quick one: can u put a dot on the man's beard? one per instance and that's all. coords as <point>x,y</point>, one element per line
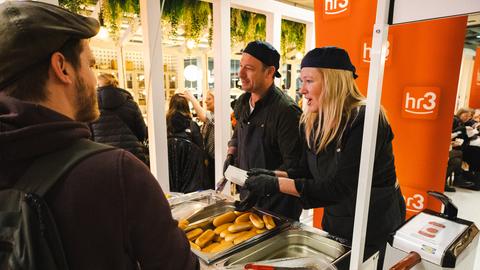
<point>86,103</point>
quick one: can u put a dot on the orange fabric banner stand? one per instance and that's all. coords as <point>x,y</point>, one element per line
<point>474,100</point>
<point>419,88</point>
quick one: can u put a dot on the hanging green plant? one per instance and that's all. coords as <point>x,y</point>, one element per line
<point>111,11</point>
<point>192,14</point>
<point>293,37</point>
<point>73,5</point>
<point>246,26</point>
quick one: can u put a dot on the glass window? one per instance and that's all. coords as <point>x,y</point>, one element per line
<point>234,70</point>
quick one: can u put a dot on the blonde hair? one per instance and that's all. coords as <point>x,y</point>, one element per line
<point>339,97</point>
<point>109,79</point>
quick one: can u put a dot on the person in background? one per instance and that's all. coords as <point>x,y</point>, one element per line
<point>186,156</point>
<point>121,123</point>
<point>109,210</point>
<point>180,122</point>
<point>207,130</point>
<point>333,129</point>
<point>266,135</point>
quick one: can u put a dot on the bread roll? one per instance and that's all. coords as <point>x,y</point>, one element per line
<point>243,218</point>
<point>204,238</point>
<point>223,246</point>
<point>194,246</point>
<point>183,223</point>
<point>231,236</point>
<point>257,221</point>
<point>222,227</point>
<point>241,226</point>
<point>269,222</point>
<point>238,213</point>
<point>244,237</point>
<point>224,218</point>
<point>193,234</point>
<point>209,248</point>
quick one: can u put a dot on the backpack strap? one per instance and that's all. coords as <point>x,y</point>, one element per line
<point>46,170</point>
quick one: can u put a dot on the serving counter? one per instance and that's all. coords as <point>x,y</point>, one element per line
<point>287,243</point>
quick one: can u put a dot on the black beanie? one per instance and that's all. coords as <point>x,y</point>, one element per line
<point>266,53</point>
<point>329,57</point>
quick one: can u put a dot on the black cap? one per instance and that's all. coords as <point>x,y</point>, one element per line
<point>329,57</point>
<point>31,31</point>
<point>264,52</point>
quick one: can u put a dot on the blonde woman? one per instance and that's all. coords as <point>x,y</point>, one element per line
<point>332,126</point>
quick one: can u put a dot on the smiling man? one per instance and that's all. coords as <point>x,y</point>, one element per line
<point>267,133</point>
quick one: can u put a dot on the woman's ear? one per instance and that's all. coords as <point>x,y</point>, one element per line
<point>60,68</point>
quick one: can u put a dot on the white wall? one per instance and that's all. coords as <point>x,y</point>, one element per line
<point>465,79</point>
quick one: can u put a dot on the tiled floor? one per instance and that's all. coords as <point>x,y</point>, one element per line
<point>468,204</point>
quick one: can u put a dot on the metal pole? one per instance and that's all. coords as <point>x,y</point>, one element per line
<point>221,67</point>
<point>375,81</point>
<point>157,127</point>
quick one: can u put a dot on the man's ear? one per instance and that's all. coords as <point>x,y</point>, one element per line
<point>61,69</point>
<point>270,71</point>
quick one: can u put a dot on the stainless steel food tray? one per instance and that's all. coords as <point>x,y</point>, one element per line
<point>186,205</point>
<point>203,219</point>
<point>299,246</point>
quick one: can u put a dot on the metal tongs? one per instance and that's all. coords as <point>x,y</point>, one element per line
<point>252,266</point>
<point>221,185</point>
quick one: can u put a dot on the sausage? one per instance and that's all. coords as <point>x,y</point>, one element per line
<point>257,221</point>
<point>206,237</point>
<point>224,218</point>
<point>238,227</point>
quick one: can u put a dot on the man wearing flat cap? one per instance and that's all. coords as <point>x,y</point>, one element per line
<point>266,136</point>
<point>109,210</point>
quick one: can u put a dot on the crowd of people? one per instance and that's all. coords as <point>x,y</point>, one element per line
<point>295,159</point>
<point>463,168</point>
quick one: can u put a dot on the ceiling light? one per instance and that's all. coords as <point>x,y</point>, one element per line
<point>191,73</point>
<point>478,36</point>
<point>191,44</point>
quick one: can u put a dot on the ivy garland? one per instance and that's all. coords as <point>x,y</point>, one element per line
<point>192,14</point>
<point>196,15</point>
<point>246,26</point>
<point>293,37</point>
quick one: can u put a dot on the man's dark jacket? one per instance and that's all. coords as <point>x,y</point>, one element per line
<point>110,210</point>
<point>281,141</point>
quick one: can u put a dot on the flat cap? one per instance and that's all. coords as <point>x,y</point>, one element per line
<point>264,52</point>
<point>329,57</point>
<point>31,31</point>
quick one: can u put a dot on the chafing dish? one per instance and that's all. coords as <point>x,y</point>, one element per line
<point>299,246</point>
<point>203,219</point>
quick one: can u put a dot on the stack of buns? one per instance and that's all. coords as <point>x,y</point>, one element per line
<point>230,228</point>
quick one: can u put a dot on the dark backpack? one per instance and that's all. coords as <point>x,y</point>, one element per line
<point>29,239</point>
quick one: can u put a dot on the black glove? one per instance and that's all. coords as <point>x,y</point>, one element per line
<point>258,171</point>
<point>262,185</point>
<point>246,203</point>
<point>229,160</point>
